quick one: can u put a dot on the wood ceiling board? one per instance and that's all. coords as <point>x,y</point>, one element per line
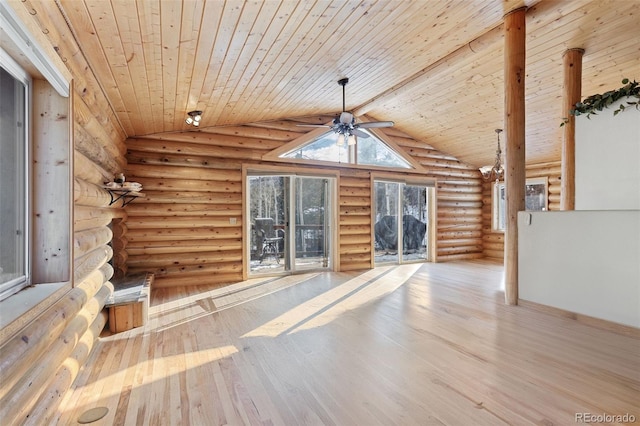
<point>190,30</point>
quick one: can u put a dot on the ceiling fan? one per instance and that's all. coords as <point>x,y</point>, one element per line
<point>345,124</point>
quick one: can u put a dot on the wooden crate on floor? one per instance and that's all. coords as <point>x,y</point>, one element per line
<point>129,303</point>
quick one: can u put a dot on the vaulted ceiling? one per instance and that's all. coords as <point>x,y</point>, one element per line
<point>434,67</point>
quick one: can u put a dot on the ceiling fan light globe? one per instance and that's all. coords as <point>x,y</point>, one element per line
<point>189,120</point>
<point>346,117</point>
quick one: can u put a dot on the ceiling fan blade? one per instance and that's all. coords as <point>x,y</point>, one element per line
<point>313,125</point>
<point>359,133</point>
<point>375,124</point>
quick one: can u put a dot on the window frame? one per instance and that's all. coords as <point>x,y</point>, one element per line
<point>22,76</point>
<point>499,205</point>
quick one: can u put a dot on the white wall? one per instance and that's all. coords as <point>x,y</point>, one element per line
<point>608,160</point>
<point>586,262</point>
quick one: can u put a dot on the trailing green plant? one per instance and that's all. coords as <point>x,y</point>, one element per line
<point>598,102</point>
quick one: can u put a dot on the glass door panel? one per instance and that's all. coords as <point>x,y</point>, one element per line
<point>312,229</point>
<point>414,223</point>
<point>268,210</point>
<point>387,201</point>
<point>290,223</point>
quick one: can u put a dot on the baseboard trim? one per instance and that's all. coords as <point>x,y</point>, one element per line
<point>602,324</point>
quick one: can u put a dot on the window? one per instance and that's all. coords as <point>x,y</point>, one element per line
<point>14,241</point>
<point>535,200</point>
<point>369,151</point>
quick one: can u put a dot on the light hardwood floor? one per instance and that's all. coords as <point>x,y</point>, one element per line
<point>398,345</point>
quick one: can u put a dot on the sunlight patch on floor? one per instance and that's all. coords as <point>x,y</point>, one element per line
<point>326,307</point>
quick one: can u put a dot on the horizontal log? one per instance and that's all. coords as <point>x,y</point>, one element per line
<point>355,258</point>
<point>174,147</point>
<point>97,151</point>
<point>460,242</point>
<point>85,169</point>
<point>354,230</point>
<point>355,239</point>
<point>190,197</point>
<point>554,198</point>
<point>455,211</point>
<point>89,194</point>
<point>20,353</point>
<point>45,407</point>
<point>355,182</point>
<point>460,187</point>
<point>183,246</point>
<point>354,249</point>
<point>23,396</point>
<point>440,196</point>
<point>461,227</point>
<point>447,221</point>
<point>99,127</point>
<point>355,220</point>
<point>452,235</point>
<point>555,206</point>
<point>135,158</point>
<point>91,217</point>
<point>460,204</point>
<point>195,185</point>
<point>351,191</point>
<point>134,235</point>
<point>493,237</point>
<point>453,257</point>
<point>459,250</point>
<point>139,171</point>
<point>554,189</point>
<point>355,210</point>
<point>175,209</point>
<point>165,260</point>
<point>355,201</point>
<point>250,132</point>
<point>494,254</point>
<point>194,270</point>
<point>94,260</point>
<point>493,246</point>
<point>228,137</point>
<point>165,282</point>
<point>168,222</point>
<point>90,239</point>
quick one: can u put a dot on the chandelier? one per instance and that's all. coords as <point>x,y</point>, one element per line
<point>496,171</point>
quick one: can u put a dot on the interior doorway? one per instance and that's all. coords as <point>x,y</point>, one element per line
<point>291,223</point>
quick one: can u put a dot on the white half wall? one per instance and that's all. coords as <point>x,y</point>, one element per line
<point>586,262</point>
<point>608,160</point>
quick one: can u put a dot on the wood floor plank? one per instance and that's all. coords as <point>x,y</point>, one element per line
<point>417,344</point>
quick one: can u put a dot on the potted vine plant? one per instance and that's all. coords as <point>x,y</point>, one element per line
<point>598,102</point>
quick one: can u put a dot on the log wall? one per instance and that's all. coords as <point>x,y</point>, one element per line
<point>493,241</point>
<point>41,359</point>
<point>183,229</point>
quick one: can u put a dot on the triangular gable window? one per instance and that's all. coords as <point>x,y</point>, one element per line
<point>369,151</point>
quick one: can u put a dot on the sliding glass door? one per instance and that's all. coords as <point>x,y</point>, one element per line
<point>291,223</point>
<point>401,222</point>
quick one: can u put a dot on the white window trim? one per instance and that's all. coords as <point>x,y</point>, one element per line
<point>495,199</point>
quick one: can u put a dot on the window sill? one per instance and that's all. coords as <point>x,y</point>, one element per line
<point>23,307</point>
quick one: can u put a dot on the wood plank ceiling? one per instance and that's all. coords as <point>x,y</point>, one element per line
<point>434,67</point>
